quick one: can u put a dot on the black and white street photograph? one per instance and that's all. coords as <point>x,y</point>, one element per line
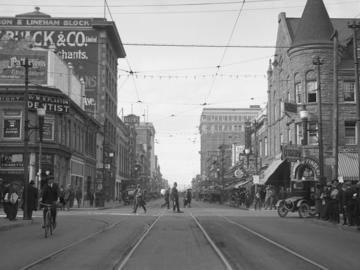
<point>180,134</point>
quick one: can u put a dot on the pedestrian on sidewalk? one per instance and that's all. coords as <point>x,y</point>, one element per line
<point>62,198</point>
<point>139,198</point>
<point>91,197</point>
<point>69,197</point>
<point>6,199</point>
<point>175,198</point>
<point>78,196</point>
<point>257,200</point>
<point>32,199</point>
<point>13,199</point>
<point>334,207</point>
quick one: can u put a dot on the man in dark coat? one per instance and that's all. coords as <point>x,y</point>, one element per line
<point>32,198</point>
<point>50,196</point>
<point>175,198</point>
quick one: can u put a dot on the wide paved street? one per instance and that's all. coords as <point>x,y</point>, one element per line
<point>206,236</point>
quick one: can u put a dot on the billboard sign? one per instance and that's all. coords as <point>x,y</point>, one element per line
<point>12,71</point>
<point>12,128</point>
<point>75,41</point>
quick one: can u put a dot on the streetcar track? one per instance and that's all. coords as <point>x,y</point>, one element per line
<point>67,247</point>
<point>263,237</point>
<point>275,243</point>
<point>212,244</point>
<point>119,265</point>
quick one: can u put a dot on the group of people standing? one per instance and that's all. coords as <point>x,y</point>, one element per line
<point>339,202</point>
<point>265,197</point>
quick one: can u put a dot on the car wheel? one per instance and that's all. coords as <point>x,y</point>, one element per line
<point>282,210</point>
<point>304,210</point>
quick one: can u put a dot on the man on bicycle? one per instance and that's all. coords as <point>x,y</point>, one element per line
<point>50,195</point>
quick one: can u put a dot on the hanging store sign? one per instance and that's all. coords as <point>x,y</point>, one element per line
<point>12,128</point>
<point>290,107</point>
<point>291,152</point>
<point>51,103</point>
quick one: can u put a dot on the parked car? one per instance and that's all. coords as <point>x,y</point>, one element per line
<point>300,199</point>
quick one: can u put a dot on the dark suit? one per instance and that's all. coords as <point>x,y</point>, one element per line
<point>50,196</point>
<point>175,198</point>
<point>32,199</point>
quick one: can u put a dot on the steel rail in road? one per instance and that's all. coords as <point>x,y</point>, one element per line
<point>122,263</point>
<point>275,243</point>
<point>213,245</point>
<point>61,250</point>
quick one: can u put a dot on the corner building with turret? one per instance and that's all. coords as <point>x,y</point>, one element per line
<point>293,113</point>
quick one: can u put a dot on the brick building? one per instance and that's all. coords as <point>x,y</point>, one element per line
<point>93,46</point>
<point>293,141</point>
<point>222,127</point>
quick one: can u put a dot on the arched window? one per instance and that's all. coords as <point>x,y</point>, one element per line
<point>311,87</point>
<point>298,89</point>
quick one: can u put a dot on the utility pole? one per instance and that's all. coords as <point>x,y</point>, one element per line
<point>26,65</point>
<point>355,26</point>
<point>222,157</point>
<point>318,62</point>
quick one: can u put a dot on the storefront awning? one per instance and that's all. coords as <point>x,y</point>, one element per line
<point>348,166</point>
<point>270,171</point>
<point>237,185</point>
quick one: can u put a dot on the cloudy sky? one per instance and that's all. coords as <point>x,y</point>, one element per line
<point>171,84</point>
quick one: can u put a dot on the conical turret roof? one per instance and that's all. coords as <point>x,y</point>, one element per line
<point>314,26</point>
<point>35,13</point>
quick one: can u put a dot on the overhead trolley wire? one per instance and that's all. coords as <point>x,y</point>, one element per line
<point>223,55</point>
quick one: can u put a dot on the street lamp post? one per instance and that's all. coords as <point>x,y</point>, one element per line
<point>26,64</point>
<point>318,62</point>
<point>247,153</point>
<point>41,114</point>
<point>304,115</point>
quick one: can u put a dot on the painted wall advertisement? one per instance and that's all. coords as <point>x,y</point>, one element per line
<point>12,71</point>
<point>76,45</point>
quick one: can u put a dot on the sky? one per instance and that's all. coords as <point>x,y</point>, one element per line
<point>171,85</point>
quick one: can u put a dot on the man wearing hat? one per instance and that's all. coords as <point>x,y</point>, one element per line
<point>50,196</point>
<point>32,198</point>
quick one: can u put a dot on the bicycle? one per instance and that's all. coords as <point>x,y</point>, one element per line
<point>48,223</point>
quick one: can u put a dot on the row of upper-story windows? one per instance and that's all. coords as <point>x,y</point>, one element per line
<point>110,106</point>
<point>230,118</point>
<point>56,128</point>
<point>212,128</point>
<point>306,91</point>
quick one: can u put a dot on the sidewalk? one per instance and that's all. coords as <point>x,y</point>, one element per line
<point>333,225</point>
<point>6,224</point>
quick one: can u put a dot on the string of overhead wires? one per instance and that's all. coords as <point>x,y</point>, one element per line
<point>165,5</point>
<point>225,50</point>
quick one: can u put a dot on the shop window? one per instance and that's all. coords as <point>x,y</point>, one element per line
<point>349,92</point>
<point>350,132</point>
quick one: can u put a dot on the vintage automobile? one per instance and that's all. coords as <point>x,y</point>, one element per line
<point>300,199</point>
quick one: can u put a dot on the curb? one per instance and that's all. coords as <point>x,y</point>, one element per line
<point>9,226</point>
<point>334,225</point>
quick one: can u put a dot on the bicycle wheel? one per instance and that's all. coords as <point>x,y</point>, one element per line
<point>46,225</point>
<point>50,223</point>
